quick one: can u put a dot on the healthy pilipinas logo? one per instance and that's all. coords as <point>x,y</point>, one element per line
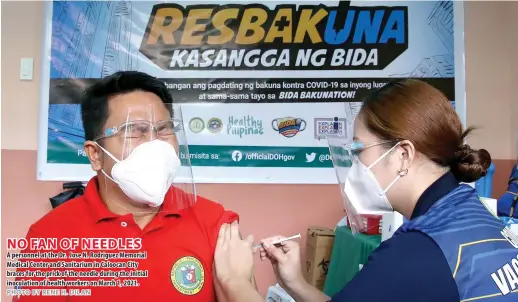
<point>287,36</point>
<point>188,275</point>
<point>288,126</point>
<point>326,126</point>
<point>244,126</point>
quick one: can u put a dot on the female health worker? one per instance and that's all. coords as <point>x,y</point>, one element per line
<point>409,156</point>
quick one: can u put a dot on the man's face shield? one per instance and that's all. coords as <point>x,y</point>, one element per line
<point>147,156</point>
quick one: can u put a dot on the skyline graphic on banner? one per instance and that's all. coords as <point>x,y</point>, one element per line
<point>80,56</point>
<point>81,45</point>
<point>94,39</point>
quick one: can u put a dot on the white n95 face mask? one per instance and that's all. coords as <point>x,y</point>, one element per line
<point>363,191</point>
<point>147,173</point>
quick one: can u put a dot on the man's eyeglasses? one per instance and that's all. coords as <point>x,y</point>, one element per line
<point>139,129</point>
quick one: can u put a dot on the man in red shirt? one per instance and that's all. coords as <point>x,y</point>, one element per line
<point>165,234</point>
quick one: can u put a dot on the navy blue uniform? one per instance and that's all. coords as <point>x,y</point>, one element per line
<point>419,263</point>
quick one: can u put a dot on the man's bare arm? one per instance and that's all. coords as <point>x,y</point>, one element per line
<point>220,294</point>
<point>252,281</point>
<point>252,278</point>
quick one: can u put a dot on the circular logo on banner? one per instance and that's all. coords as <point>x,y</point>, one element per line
<point>237,155</point>
<point>188,276</point>
<point>196,125</point>
<point>214,125</point>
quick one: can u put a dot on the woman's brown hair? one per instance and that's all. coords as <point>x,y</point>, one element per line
<point>416,111</point>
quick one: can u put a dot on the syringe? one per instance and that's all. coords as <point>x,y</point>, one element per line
<point>277,242</point>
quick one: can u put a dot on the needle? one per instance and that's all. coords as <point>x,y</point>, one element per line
<point>278,241</point>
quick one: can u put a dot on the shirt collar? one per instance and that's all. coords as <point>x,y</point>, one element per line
<point>436,191</point>
<point>174,201</point>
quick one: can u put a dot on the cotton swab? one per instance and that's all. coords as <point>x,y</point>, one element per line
<point>279,241</point>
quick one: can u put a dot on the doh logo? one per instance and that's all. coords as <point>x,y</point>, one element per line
<point>287,36</point>
<point>188,275</point>
<point>289,126</point>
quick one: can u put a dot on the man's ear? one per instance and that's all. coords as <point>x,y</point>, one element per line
<point>94,154</point>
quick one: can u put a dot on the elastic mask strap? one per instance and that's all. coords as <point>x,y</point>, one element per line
<point>377,161</point>
<point>112,157</point>
<point>105,174</point>
<point>382,156</point>
<point>108,153</point>
<point>392,183</point>
<point>400,173</point>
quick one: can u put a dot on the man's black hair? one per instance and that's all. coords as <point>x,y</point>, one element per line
<point>94,102</point>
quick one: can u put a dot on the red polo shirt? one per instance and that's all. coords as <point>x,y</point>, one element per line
<point>174,263</point>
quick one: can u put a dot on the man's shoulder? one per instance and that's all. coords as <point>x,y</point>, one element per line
<point>62,219</point>
<point>210,215</point>
<point>211,212</point>
<point>204,204</point>
<point>206,208</point>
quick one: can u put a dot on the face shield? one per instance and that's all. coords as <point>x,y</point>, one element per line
<point>343,154</point>
<point>147,156</point>
<point>352,109</point>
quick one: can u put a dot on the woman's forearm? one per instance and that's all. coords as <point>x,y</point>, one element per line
<point>304,292</point>
<point>242,291</point>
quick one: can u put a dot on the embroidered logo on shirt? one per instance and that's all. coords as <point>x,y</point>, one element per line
<point>188,276</point>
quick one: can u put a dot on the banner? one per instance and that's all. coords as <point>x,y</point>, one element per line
<point>260,84</point>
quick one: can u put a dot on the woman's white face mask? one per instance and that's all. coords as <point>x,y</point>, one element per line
<point>363,191</point>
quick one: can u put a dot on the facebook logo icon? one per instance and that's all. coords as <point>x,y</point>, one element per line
<point>237,155</point>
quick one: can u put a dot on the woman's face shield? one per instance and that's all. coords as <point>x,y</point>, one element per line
<point>160,125</point>
<point>343,154</point>
<point>355,188</point>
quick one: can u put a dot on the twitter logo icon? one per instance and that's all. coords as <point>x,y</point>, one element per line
<point>310,157</point>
